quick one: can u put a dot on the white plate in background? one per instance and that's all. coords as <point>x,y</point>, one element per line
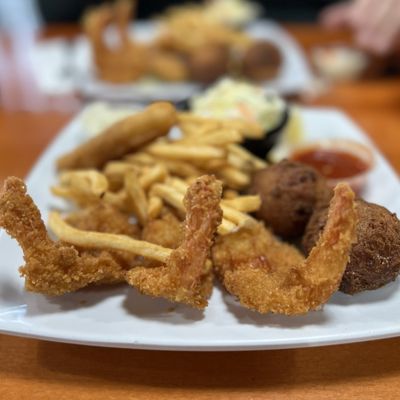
<point>68,66</point>
<point>118,316</point>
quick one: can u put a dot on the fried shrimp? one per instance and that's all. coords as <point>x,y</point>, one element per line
<point>186,277</point>
<point>52,268</point>
<point>270,276</point>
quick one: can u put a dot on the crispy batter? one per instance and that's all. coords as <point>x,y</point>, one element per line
<point>52,268</point>
<point>187,277</point>
<point>167,231</point>
<point>122,137</point>
<point>270,276</point>
<point>105,218</point>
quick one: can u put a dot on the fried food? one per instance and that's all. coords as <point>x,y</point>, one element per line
<point>122,137</point>
<point>122,63</point>
<point>270,276</point>
<point>289,192</point>
<point>375,256</point>
<point>168,66</point>
<point>52,268</point>
<point>208,63</point>
<point>136,197</point>
<point>83,187</point>
<point>103,218</point>
<point>187,277</point>
<point>108,241</point>
<point>166,231</point>
<point>261,61</point>
<point>106,218</point>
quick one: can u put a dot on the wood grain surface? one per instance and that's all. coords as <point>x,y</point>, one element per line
<point>33,369</point>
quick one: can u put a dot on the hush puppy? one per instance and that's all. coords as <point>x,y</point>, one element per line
<point>289,193</point>
<point>375,257</point>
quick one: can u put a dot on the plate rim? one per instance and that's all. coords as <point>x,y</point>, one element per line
<point>187,345</point>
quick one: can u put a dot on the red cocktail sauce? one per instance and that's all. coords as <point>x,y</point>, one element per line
<point>333,164</point>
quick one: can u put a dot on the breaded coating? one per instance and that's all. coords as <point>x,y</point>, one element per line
<point>122,137</point>
<point>167,231</point>
<point>270,276</point>
<point>52,268</point>
<point>103,217</point>
<point>187,276</point>
<point>106,218</point>
<point>375,256</point>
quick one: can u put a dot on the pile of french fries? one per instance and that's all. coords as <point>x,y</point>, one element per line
<point>157,175</point>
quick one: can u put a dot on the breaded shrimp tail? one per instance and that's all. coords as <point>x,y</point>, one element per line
<point>51,267</point>
<point>187,275</point>
<point>269,276</point>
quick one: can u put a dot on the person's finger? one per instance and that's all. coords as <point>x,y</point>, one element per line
<point>335,16</point>
<point>380,36</point>
<point>361,12</point>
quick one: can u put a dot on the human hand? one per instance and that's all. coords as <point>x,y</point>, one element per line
<point>376,24</point>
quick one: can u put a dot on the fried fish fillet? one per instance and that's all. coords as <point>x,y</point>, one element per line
<point>187,275</point>
<point>267,275</point>
<point>52,268</point>
<point>122,137</point>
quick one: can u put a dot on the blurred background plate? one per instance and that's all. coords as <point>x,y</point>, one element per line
<point>62,65</point>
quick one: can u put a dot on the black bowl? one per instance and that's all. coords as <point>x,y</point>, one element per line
<point>261,147</point>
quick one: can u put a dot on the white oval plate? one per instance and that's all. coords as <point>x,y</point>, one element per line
<point>119,316</point>
<point>294,76</point>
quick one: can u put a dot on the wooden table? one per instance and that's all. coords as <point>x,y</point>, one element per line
<point>33,369</point>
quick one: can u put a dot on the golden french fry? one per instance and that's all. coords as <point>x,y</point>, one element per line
<point>169,195</point>
<point>239,163</point>
<point>136,196</point>
<point>140,158</point>
<point>241,152</point>
<point>178,184</point>
<point>235,216</point>
<point>197,129</point>
<point>115,172</point>
<point>230,194</point>
<point>183,152</point>
<point>157,173</point>
<point>97,240</point>
<point>155,207</point>
<point>248,129</point>
<point>246,204</point>
<point>181,168</point>
<point>175,198</point>
<point>226,227</point>
<point>210,165</point>
<point>219,137</point>
<point>234,178</point>
<point>117,199</point>
<point>82,186</point>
